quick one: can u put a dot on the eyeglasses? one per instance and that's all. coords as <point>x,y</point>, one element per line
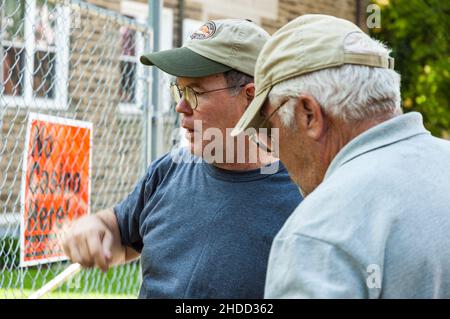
<point>266,145</point>
<point>190,95</point>
<point>265,123</point>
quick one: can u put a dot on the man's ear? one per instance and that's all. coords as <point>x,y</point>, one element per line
<point>245,96</point>
<point>310,117</point>
<point>249,90</point>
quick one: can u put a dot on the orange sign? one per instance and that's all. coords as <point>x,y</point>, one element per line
<point>55,184</point>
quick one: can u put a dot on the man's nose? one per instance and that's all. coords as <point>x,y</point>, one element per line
<point>184,107</point>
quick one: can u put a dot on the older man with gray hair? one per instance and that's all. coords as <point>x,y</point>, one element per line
<point>376,219</point>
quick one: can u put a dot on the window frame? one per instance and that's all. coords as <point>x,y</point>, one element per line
<point>59,102</point>
<point>138,11</point>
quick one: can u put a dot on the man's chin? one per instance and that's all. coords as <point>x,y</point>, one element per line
<point>196,150</point>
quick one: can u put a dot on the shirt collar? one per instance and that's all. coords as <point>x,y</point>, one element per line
<point>389,132</point>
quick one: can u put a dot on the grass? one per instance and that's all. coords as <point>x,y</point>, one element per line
<point>118,282</point>
<point>23,294</point>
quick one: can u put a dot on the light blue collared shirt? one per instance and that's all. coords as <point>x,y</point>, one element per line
<point>378,226</point>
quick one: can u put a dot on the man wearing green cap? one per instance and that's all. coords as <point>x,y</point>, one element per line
<point>375,221</point>
<point>185,216</point>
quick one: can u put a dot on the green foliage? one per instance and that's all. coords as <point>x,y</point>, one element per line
<point>9,253</point>
<point>12,15</point>
<point>418,33</point>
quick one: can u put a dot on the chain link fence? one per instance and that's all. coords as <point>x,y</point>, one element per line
<point>73,60</point>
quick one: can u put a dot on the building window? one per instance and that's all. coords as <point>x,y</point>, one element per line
<point>132,79</point>
<point>34,54</point>
<point>131,82</point>
<point>129,86</point>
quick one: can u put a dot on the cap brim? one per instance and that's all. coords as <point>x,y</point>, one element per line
<point>252,117</point>
<point>182,62</point>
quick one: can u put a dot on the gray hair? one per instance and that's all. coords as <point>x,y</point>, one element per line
<point>348,92</point>
<point>236,79</point>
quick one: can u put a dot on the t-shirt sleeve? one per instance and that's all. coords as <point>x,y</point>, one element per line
<point>128,211</point>
<point>305,267</point>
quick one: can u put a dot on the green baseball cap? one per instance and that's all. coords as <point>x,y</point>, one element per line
<point>216,47</point>
<point>309,43</point>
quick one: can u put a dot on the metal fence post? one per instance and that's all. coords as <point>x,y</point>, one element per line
<point>145,105</point>
<point>154,21</point>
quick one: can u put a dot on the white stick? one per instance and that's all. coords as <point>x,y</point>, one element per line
<point>57,281</point>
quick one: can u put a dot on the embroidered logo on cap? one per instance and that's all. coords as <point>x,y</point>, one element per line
<point>206,31</point>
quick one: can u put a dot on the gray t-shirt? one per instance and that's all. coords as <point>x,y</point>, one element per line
<point>204,232</point>
<point>378,226</point>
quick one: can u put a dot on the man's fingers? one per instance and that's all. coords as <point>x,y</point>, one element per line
<point>86,259</point>
<point>66,248</point>
<point>75,245</point>
<point>88,242</point>
<point>75,256</point>
<point>96,248</point>
<point>107,244</point>
<point>65,240</point>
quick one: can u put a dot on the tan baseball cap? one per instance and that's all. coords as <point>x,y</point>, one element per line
<point>309,43</point>
<point>216,47</point>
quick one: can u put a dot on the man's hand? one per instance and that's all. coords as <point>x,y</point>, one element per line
<point>93,240</point>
